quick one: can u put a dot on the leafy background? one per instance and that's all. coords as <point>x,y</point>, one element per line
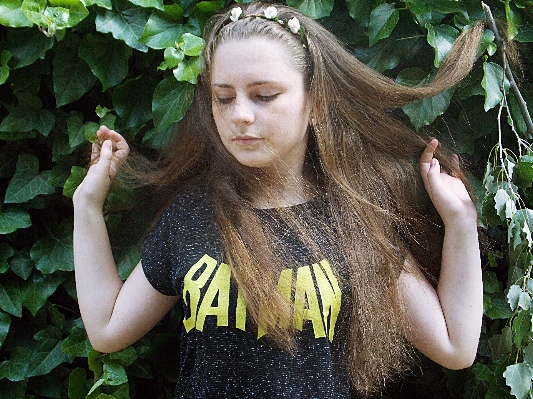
<point>67,66</point>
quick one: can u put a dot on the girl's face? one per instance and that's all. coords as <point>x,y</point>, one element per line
<point>260,105</point>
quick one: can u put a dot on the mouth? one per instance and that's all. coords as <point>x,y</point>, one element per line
<point>246,140</point>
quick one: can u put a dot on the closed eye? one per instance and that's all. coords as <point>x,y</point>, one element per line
<point>224,100</point>
<point>267,98</point>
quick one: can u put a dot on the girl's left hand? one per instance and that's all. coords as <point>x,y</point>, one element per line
<point>448,194</point>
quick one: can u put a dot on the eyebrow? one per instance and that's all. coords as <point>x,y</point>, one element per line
<point>252,84</point>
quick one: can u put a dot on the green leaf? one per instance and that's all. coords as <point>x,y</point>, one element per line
<point>77,174</point>
<point>77,344</point>
<point>5,323</point>
<point>125,357</point>
<point>441,38</point>
<point>518,377</point>
<point>77,384</point>
<point>191,45</point>
<point>171,101</point>
<point>159,138</point>
<point>11,14</point>
<point>497,306</point>
<point>173,57</point>
<point>125,22</point>
<point>114,373</point>
<point>72,77</point>
<point>491,284</point>
<point>10,297</point>
<point>47,354</point>
<point>188,70</point>
<point>76,10</point>
<point>383,20</point>
<point>12,220</point>
<point>313,8</point>
<point>423,112</point>
<point>514,295</point>
<point>35,292</point>
<point>360,11</point>
<point>22,265</point>
<point>504,204</point>
<point>149,3</point>
<point>523,172</point>
<point>55,252</point>
<point>96,50</point>
<point>381,57</point>
<point>34,10</point>
<point>5,56</point>
<point>26,116</point>
<point>133,101</point>
<point>493,81</point>
<point>513,20</point>
<point>161,31</point>
<point>27,183</point>
<point>521,327</point>
<point>6,252</point>
<point>16,367</point>
<point>27,46</point>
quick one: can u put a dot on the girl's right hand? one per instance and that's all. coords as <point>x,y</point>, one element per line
<point>105,164</point>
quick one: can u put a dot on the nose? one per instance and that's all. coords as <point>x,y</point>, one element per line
<point>242,112</point>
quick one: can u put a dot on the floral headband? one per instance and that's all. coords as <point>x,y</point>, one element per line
<point>271,13</point>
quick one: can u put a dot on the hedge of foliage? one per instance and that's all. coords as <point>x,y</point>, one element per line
<point>67,66</point>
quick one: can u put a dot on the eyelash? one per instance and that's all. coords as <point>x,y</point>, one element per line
<point>227,100</point>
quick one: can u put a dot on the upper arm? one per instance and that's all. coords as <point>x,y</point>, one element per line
<point>138,308</point>
<point>426,321</point>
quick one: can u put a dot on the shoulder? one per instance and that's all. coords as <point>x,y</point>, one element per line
<point>192,203</point>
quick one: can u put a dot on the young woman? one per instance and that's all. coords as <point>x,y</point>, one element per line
<point>311,239</point>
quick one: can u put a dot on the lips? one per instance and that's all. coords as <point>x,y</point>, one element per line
<point>246,140</point>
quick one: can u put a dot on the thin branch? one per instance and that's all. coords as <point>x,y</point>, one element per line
<point>500,42</point>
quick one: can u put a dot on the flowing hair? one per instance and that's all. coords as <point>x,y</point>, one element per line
<point>362,171</point>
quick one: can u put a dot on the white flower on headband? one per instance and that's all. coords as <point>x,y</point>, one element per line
<point>271,13</point>
<point>294,25</point>
<point>235,14</point>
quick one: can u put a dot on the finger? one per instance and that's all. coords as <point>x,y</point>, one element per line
<point>103,165</point>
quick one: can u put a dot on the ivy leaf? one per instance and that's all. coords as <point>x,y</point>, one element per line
<point>423,112</point>
<point>360,11</point>
<point>381,57</point>
<point>72,78</point>
<point>77,380</point>
<point>16,367</point>
<point>5,323</point>
<point>77,174</point>
<point>26,116</point>
<point>491,284</point>
<point>383,20</point>
<point>47,354</point>
<point>21,264</point>
<point>441,38</point>
<point>125,357</point>
<point>10,297</point>
<point>12,220</point>
<point>523,173</point>
<point>125,22</point>
<point>11,14</point>
<point>493,81</point>
<point>496,306</point>
<point>513,20</point>
<point>5,56</point>
<point>114,373</point>
<point>96,50</point>
<point>36,291</point>
<point>27,46</point>
<point>6,252</point>
<point>27,183</point>
<point>191,45</point>
<point>518,377</point>
<point>55,252</point>
<point>171,101</point>
<point>77,344</point>
<point>159,138</point>
<point>313,8</point>
<point>133,101</point>
<point>188,70</point>
<point>161,31</point>
<point>149,3</point>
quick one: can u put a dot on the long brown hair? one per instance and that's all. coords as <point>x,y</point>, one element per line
<point>363,174</point>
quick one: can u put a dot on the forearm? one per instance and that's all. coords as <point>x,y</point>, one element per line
<point>460,287</point>
<point>97,280</point>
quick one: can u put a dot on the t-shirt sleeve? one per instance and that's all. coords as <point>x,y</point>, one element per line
<point>157,254</point>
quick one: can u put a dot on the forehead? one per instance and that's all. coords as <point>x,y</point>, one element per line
<point>257,58</point>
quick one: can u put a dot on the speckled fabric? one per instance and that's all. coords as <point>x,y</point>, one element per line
<point>222,356</point>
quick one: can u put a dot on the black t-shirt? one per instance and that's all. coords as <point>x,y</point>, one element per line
<point>222,356</point>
